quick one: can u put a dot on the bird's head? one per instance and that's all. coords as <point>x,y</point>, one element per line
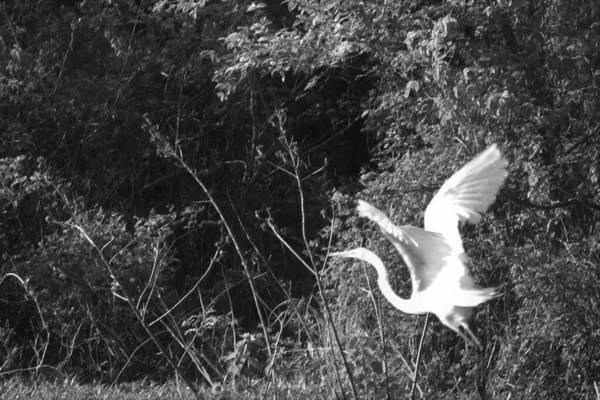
<point>361,253</point>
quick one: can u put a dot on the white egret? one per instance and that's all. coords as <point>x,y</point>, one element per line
<point>435,257</point>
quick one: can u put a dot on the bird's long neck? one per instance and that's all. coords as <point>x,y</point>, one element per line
<point>405,305</point>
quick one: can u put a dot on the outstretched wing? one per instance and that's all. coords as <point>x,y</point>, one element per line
<point>466,195</point>
<point>425,253</point>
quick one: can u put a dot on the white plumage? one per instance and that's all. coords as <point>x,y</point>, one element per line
<point>435,257</point>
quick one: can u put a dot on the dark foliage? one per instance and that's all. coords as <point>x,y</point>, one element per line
<point>178,170</point>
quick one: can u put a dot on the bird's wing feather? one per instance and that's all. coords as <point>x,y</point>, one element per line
<point>425,253</point>
<point>466,195</point>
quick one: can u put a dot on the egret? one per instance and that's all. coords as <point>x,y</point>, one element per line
<point>435,257</point>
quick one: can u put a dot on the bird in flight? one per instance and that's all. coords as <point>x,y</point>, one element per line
<point>435,256</point>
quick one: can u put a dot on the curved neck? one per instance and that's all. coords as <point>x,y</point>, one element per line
<point>405,305</point>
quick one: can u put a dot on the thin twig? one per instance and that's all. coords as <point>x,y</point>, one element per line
<point>129,302</point>
<point>416,375</point>
<point>379,316</point>
<point>285,292</point>
<point>325,304</point>
<point>233,238</point>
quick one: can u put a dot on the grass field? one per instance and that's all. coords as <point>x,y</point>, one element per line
<point>18,388</point>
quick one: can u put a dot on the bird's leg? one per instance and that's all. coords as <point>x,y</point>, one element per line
<point>471,340</point>
<point>462,335</point>
<point>474,339</point>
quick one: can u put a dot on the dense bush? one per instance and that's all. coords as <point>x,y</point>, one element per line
<point>172,175</point>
